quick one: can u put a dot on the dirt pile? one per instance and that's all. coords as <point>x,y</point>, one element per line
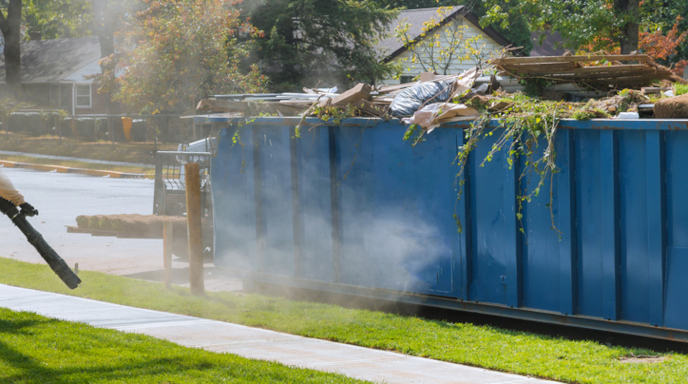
<point>672,107</point>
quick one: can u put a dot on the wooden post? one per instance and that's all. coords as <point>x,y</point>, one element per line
<point>167,239</point>
<point>193,121</point>
<point>193,219</point>
<point>111,130</point>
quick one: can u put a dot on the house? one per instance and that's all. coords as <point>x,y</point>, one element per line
<point>447,17</point>
<point>547,43</point>
<point>55,74</point>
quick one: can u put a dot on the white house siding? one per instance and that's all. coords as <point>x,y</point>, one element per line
<point>411,69</point>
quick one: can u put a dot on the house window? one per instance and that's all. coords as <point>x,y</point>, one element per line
<point>83,96</point>
<point>406,79</point>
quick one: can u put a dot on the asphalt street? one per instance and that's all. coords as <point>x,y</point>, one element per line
<point>60,198</point>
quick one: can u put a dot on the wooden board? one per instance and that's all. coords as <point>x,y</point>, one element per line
<point>75,229</point>
<point>96,232</point>
<point>570,59</point>
<point>568,69</point>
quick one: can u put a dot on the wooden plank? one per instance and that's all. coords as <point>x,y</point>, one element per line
<point>359,92</point>
<point>538,67</point>
<point>193,217</point>
<point>570,59</point>
<point>135,235</point>
<point>607,78</point>
<point>653,90</point>
<point>99,233</point>
<point>167,238</point>
<point>74,229</point>
<point>614,69</point>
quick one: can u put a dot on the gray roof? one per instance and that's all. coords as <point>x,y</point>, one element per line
<point>49,61</point>
<point>391,47</point>
<point>547,47</point>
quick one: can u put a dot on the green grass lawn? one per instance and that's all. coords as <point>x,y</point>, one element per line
<point>100,150</point>
<point>35,349</point>
<point>483,346</point>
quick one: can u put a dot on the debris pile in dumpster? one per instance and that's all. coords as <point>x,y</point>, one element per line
<point>579,87</point>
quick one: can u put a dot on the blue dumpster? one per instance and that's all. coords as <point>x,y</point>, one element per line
<point>352,208</point>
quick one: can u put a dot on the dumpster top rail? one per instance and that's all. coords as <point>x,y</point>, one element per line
<point>594,124</point>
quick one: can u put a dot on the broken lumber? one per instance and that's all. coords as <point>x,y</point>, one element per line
<point>360,92</point>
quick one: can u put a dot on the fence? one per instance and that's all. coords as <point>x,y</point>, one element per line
<point>141,128</point>
<point>170,189</point>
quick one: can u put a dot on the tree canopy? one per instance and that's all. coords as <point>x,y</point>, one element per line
<point>57,19</point>
<point>579,22</point>
<point>176,51</point>
<point>311,42</point>
<point>655,27</point>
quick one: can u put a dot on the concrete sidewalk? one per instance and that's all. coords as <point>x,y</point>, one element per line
<point>216,336</point>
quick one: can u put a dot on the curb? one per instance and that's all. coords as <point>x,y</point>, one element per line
<point>61,169</point>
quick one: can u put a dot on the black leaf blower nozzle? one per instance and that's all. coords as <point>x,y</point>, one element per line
<point>51,257</point>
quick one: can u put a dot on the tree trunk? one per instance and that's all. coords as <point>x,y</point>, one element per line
<point>629,10</point>
<point>104,22</point>
<point>104,26</point>
<point>10,28</point>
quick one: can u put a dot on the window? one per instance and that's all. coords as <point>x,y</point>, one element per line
<point>407,79</point>
<point>83,95</point>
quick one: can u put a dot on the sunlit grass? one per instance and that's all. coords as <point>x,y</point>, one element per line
<point>99,150</point>
<point>484,346</point>
<point>35,349</point>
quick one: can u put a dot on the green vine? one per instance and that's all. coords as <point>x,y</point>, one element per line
<point>527,129</point>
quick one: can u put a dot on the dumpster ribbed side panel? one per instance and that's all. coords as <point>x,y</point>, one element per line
<point>353,208</point>
<point>234,201</point>
<point>676,283</point>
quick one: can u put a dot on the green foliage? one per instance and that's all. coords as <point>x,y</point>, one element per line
<point>680,89</point>
<point>585,362</point>
<point>526,131</point>
<point>316,42</point>
<point>335,115</point>
<point>58,19</point>
<point>514,26</point>
<point>578,22</point>
<point>179,51</point>
<point>661,15</point>
<point>35,349</point>
<point>587,114</point>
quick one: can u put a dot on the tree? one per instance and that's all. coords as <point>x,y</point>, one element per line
<point>175,51</point>
<point>628,11</point>
<point>58,19</point>
<point>666,15</point>
<point>105,15</point>
<point>10,25</point>
<point>310,42</point>
<point>578,21</point>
